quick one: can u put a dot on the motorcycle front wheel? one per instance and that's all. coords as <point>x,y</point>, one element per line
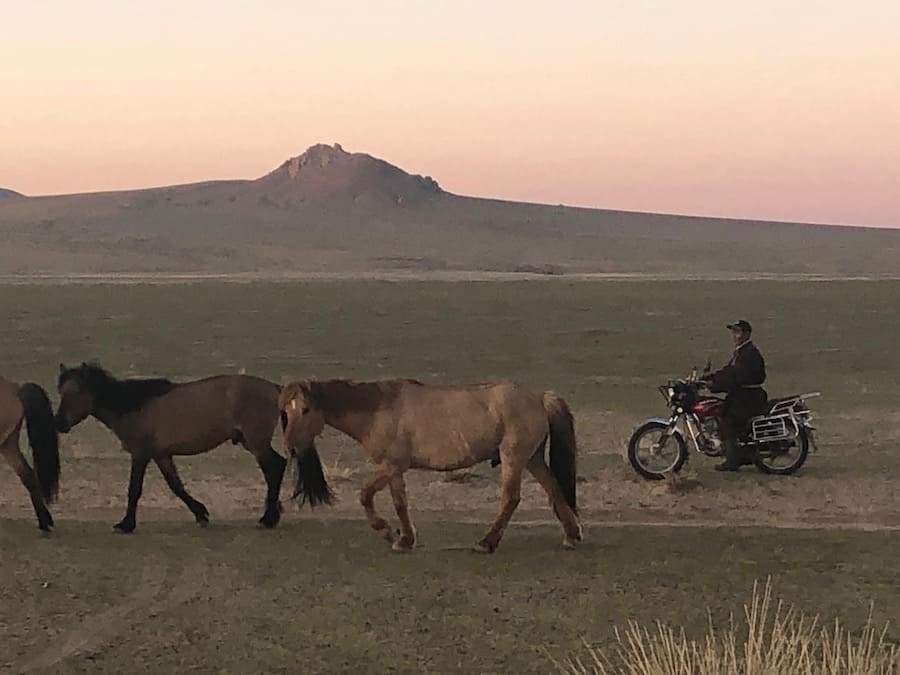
<point>654,451</point>
<point>788,459</point>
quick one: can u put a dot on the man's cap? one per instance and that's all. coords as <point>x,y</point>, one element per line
<point>741,325</point>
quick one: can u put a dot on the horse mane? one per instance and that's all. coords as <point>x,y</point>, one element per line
<point>347,395</point>
<point>120,397</point>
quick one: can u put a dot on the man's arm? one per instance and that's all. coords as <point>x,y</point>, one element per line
<point>721,380</point>
<point>745,370</point>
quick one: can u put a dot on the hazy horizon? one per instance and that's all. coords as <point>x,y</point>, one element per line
<point>767,112</point>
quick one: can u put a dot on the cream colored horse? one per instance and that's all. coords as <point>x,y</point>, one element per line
<point>404,424</point>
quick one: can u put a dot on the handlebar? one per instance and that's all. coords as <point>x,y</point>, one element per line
<point>700,384</point>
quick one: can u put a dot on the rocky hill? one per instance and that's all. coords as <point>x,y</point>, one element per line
<point>331,211</point>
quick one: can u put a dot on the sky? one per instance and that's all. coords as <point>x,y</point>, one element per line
<point>769,110</point>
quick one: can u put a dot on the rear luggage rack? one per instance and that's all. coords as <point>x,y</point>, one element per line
<point>792,403</point>
<point>783,421</point>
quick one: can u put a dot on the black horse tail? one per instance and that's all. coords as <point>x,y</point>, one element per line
<point>42,437</point>
<point>310,483</point>
<point>563,448</point>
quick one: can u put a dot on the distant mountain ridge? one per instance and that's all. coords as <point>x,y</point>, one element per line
<point>332,211</point>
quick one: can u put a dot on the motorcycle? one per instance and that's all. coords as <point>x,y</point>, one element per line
<point>778,440</point>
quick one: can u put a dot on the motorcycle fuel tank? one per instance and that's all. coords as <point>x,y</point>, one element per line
<point>708,407</point>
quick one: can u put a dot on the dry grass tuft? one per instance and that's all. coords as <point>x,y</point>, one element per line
<point>773,639</point>
<point>679,483</point>
<point>336,471</point>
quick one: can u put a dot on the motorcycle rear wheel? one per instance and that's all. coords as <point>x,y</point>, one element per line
<point>652,432</point>
<point>802,442</point>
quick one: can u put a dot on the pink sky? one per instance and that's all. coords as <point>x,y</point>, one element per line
<point>770,110</point>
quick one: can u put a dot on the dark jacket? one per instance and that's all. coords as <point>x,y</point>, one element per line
<point>747,369</point>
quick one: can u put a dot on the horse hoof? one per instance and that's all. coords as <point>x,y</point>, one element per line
<point>45,521</point>
<point>390,536</point>
<point>119,528</point>
<point>569,543</point>
<point>483,547</point>
<point>404,545</point>
<point>270,518</point>
<point>203,522</point>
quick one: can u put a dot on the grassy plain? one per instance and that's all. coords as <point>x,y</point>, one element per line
<point>327,597</point>
<point>600,345</point>
<point>322,594</point>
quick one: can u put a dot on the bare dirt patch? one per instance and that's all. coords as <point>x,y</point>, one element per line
<point>850,483</point>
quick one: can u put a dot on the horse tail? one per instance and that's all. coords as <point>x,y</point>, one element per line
<point>282,415</point>
<point>310,482</point>
<point>563,448</point>
<point>42,437</point>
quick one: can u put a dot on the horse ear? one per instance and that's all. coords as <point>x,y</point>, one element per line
<point>62,368</point>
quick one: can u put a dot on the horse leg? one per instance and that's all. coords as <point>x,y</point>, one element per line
<point>272,465</point>
<point>511,472</point>
<point>542,474</point>
<point>373,484</point>
<point>173,480</point>
<point>407,539</point>
<point>10,450</point>
<point>139,464</point>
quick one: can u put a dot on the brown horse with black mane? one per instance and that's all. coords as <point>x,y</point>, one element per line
<point>156,419</point>
<point>29,403</point>
<point>404,424</point>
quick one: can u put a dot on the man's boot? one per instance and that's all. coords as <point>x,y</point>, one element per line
<point>732,455</point>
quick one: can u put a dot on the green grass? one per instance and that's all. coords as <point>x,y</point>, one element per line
<point>600,345</point>
<point>330,597</point>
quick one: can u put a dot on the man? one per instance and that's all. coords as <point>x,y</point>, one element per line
<point>742,379</point>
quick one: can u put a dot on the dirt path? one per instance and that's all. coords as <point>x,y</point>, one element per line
<point>609,498</point>
<point>847,485</point>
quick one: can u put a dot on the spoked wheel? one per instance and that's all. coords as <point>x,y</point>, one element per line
<point>654,451</point>
<point>784,458</point>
